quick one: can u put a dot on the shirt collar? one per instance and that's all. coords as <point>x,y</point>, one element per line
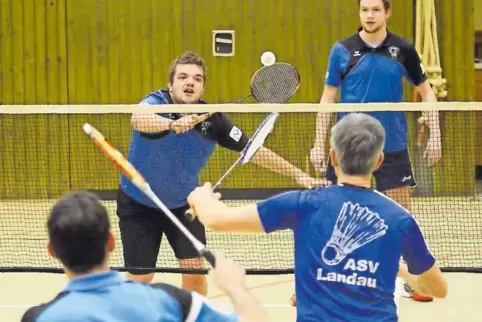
<point>95,281</point>
<point>360,44</point>
<point>167,97</point>
<point>353,186</point>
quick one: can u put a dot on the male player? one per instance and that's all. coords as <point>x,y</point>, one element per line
<point>348,237</point>
<point>369,67</point>
<point>170,150</point>
<point>80,237</point>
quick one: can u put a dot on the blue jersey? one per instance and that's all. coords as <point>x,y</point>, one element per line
<point>171,163</point>
<point>375,75</point>
<point>348,244</point>
<point>110,297</point>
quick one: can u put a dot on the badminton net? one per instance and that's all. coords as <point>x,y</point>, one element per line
<point>44,154</point>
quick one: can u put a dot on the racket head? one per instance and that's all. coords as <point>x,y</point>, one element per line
<point>275,84</point>
<point>115,156</point>
<point>259,137</point>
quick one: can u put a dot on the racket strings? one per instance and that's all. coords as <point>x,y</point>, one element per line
<point>275,83</point>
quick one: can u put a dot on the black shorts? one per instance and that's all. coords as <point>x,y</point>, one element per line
<point>142,228</point>
<point>395,172</point>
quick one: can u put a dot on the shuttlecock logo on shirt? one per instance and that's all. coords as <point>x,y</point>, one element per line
<point>355,227</point>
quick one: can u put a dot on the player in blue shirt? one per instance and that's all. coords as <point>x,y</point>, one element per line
<point>369,67</point>
<point>170,150</point>
<point>348,237</point>
<point>79,236</point>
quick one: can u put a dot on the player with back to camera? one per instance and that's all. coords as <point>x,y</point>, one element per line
<point>369,67</point>
<point>170,150</point>
<point>348,238</point>
<point>80,237</point>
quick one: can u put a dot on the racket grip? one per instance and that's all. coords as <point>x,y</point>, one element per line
<point>206,253</point>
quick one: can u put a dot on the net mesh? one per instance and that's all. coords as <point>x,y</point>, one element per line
<point>44,154</point>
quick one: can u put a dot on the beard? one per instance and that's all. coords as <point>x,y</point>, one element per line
<point>373,30</point>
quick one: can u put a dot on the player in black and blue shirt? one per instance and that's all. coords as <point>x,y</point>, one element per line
<point>80,238</point>
<point>348,238</point>
<point>369,67</point>
<point>170,150</point>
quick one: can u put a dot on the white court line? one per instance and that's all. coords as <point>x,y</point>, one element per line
<point>26,306</point>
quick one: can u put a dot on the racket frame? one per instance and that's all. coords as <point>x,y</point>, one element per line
<point>258,71</point>
<point>241,159</point>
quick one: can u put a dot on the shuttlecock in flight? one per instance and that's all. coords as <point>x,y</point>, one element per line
<point>268,58</point>
<point>355,227</point>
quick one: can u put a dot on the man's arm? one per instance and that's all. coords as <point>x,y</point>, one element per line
<point>246,305</point>
<point>231,137</point>
<point>421,271</point>
<point>428,96</point>
<point>430,283</point>
<point>276,213</point>
<point>417,76</point>
<point>150,123</point>
<point>323,119</point>
<point>230,278</point>
<point>268,159</point>
<point>215,215</point>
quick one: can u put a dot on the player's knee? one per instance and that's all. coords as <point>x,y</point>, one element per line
<point>145,278</point>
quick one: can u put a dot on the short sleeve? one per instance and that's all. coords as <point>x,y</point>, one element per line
<point>154,100</point>
<point>333,74</point>
<point>280,212</point>
<point>227,134</point>
<point>416,254</point>
<point>195,307</point>
<point>414,67</point>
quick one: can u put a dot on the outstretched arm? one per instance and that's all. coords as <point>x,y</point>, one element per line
<point>268,159</point>
<point>276,213</point>
<point>232,137</point>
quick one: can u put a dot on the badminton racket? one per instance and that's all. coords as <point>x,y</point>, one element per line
<point>138,180</point>
<point>274,84</point>
<point>254,143</point>
<point>271,84</point>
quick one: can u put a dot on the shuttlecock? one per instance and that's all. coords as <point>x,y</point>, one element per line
<point>355,227</point>
<point>268,58</point>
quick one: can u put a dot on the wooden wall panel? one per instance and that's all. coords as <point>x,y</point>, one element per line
<point>459,128</point>
<point>33,70</point>
<point>478,97</point>
<point>478,15</point>
<point>109,45</point>
<point>102,52</point>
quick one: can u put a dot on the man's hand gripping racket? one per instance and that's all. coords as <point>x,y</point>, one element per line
<point>254,143</point>
<point>136,178</point>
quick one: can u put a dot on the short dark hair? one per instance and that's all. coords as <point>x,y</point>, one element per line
<point>79,228</point>
<point>189,57</point>
<point>386,4</point>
